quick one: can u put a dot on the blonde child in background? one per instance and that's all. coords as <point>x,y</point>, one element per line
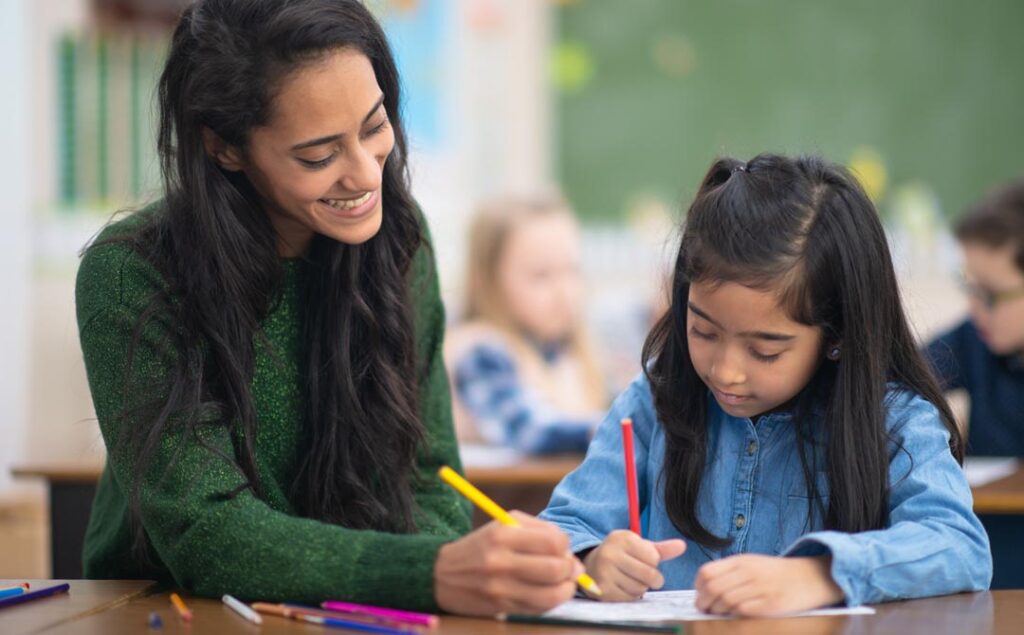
<point>523,372</point>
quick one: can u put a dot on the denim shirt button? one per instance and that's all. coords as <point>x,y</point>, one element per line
<point>751,448</point>
<point>740,521</point>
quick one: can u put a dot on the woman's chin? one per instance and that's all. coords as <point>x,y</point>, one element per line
<point>354,233</point>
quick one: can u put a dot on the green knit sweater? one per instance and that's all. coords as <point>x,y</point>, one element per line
<point>209,542</point>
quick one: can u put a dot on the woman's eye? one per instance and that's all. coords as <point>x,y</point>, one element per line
<point>316,164</point>
<point>376,129</point>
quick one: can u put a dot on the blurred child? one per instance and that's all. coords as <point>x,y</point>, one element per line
<point>985,354</point>
<point>523,373</point>
<point>786,424</point>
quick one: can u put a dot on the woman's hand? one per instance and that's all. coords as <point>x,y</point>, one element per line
<point>499,569</point>
<point>625,565</point>
<point>754,585</point>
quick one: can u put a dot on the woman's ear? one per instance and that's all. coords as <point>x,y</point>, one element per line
<point>223,153</point>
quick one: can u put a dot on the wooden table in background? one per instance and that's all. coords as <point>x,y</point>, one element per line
<point>526,486</point>
<point>112,608</point>
<point>1004,496</point>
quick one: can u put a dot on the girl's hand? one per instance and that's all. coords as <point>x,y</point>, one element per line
<point>754,585</point>
<point>625,565</point>
<point>499,569</point>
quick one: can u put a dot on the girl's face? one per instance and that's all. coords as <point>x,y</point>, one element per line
<point>746,348</point>
<point>539,279</point>
<point>991,272</point>
<point>318,161</point>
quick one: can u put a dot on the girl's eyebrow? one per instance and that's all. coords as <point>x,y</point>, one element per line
<point>761,335</point>
<point>334,137</point>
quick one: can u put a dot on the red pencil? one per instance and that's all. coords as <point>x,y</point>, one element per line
<point>631,487</point>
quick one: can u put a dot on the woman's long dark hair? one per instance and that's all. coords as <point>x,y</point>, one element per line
<point>806,225</point>
<point>217,250</point>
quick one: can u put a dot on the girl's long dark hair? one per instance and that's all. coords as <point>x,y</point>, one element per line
<point>806,225</point>
<point>217,251</point>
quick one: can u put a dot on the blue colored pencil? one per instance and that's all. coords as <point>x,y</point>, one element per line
<point>34,595</point>
<point>352,625</point>
<point>6,593</point>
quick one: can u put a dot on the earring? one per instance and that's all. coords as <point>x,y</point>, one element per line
<point>833,353</point>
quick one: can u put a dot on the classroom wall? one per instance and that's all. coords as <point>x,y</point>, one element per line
<point>919,93</point>
<point>15,238</point>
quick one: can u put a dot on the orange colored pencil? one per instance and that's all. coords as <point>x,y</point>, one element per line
<point>180,606</point>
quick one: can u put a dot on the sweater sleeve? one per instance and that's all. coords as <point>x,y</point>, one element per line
<point>440,506</point>
<point>213,542</point>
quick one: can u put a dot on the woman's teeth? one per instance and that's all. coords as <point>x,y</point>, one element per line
<point>340,203</point>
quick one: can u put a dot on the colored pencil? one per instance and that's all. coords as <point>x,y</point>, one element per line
<point>282,610</point>
<point>492,509</point>
<point>12,591</point>
<point>23,585</point>
<point>242,609</point>
<point>181,607</point>
<point>615,626</point>
<point>631,486</point>
<point>407,617</point>
<point>34,595</point>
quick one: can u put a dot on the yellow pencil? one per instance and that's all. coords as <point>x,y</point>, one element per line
<point>179,604</point>
<point>492,509</point>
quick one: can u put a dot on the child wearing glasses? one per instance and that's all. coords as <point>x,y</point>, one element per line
<point>984,355</point>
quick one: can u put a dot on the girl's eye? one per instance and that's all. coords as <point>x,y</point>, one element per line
<point>701,334</point>
<point>761,357</point>
<point>318,163</point>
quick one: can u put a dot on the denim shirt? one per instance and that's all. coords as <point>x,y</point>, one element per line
<point>753,492</point>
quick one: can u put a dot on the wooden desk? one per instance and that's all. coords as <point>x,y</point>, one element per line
<point>537,471</point>
<point>1005,496</point>
<point>84,598</point>
<point>995,613</point>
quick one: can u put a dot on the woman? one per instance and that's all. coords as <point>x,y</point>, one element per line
<point>263,345</point>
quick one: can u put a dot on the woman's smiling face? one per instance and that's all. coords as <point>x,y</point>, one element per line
<point>318,161</point>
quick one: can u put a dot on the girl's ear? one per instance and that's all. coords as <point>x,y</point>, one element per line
<point>223,153</point>
<point>834,351</point>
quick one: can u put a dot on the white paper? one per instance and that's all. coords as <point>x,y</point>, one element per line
<point>478,455</point>
<point>981,470</point>
<point>663,606</point>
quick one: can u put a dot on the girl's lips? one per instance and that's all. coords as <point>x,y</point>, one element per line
<point>729,398</point>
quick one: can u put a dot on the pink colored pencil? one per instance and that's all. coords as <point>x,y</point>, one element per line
<point>631,487</point>
<point>394,615</point>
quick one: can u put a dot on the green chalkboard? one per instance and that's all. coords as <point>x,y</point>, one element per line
<point>650,91</point>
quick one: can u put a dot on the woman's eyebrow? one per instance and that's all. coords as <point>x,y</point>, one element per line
<point>335,137</point>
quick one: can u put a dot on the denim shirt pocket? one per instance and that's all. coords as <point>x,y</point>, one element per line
<point>800,514</point>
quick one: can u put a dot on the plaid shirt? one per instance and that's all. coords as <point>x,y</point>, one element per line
<point>507,412</point>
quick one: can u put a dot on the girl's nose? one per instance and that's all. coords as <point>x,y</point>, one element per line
<point>727,369</point>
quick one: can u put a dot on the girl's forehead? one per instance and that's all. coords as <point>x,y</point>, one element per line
<point>739,308</point>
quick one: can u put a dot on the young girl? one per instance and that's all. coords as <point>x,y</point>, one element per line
<point>786,425</point>
<point>522,371</point>
<point>263,345</point>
